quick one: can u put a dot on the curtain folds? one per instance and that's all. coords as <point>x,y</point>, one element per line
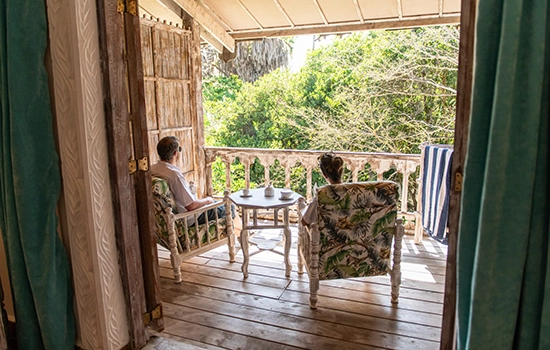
<point>30,183</point>
<point>503,266</point>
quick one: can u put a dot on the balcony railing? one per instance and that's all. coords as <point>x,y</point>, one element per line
<point>399,166</point>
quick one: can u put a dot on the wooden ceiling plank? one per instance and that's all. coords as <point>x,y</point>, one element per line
<point>213,13</point>
<point>321,11</point>
<point>400,9</point>
<point>207,23</point>
<point>359,12</point>
<point>346,28</point>
<point>278,3</point>
<point>250,14</point>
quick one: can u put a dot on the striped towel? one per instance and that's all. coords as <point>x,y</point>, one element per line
<point>436,182</point>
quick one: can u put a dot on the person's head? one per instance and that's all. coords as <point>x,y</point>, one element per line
<point>332,167</point>
<point>168,147</point>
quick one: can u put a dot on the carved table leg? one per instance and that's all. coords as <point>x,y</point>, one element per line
<point>243,239</point>
<point>301,228</point>
<point>288,242</point>
<point>396,269</point>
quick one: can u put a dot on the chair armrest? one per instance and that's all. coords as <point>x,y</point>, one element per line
<point>199,210</point>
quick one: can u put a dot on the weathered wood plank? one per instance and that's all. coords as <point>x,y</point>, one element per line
<point>214,336</point>
<point>233,304</point>
<point>285,333</point>
<point>214,299</point>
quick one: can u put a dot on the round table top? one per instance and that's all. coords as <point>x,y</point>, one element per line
<point>257,199</point>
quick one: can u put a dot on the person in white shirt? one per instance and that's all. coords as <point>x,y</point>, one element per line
<point>169,151</point>
<point>332,168</point>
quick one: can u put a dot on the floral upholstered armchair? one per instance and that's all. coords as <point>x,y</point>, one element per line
<point>356,226</point>
<point>183,240</point>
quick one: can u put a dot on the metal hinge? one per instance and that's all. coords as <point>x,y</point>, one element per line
<point>132,165</point>
<point>142,164</point>
<point>154,314</point>
<point>129,6</point>
<point>458,182</point>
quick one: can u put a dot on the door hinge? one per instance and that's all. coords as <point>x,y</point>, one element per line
<point>141,164</point>
<point>458,182</point>
<point>154,314</point>
<point>129,6</point>
<point>132,165</point>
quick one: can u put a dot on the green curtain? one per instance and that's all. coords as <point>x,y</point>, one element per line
<point>30,183</point>
<point>503,277</point>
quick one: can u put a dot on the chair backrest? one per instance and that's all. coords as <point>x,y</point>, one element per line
<point>163,203</point>
<point>162,196</point>
<point>356,226</point>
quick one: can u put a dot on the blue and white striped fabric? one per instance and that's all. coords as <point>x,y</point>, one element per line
<point>436,182</point>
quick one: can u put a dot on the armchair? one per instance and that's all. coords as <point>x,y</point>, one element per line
<point>356,225</point>
<point>183,240</point>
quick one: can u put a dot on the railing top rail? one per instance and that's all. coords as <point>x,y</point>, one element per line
<point>311,153</point>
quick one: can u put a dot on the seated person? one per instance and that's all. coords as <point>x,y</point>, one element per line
<point>332,168</point>
<point>169,151</point>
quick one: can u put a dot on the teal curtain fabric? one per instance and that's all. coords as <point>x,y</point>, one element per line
<point>30,183</point>
<point>503,277</point>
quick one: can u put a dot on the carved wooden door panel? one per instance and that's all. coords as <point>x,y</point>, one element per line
<point>172,75</point>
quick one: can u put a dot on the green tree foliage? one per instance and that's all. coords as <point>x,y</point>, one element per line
<point>261,114</point>
<point>377,91</point>
<point>384,91</point>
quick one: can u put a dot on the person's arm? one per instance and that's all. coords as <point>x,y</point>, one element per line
<point>199,203</point>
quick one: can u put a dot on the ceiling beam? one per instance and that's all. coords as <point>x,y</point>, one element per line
<point>207,23</point>
<point>345,28</point>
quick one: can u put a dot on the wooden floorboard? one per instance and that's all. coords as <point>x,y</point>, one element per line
<point>215,308</point>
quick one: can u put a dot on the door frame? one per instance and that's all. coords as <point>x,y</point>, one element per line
<point>462,120</point>
<point>127,213</point>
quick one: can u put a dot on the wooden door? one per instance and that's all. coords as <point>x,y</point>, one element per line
<point>120,48</point>
<point>173,79</point>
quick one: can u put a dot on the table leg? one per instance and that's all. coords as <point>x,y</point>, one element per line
<point>243,239</point>
<point>288,242</point>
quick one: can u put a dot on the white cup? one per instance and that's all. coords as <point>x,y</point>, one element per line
<point>246,192</point>
<point>286,194</point>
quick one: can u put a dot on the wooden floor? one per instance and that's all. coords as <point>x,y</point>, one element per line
<point>215,308</point>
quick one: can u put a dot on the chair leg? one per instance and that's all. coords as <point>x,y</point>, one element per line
<point>174,254</point>
<point>314,267</point>
<point>231,246</point>
<point>395,274</point>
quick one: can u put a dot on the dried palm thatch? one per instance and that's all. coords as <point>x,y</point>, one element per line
<point>253,59</point>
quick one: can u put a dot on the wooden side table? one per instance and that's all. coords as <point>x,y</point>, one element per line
<point>256,200</point>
